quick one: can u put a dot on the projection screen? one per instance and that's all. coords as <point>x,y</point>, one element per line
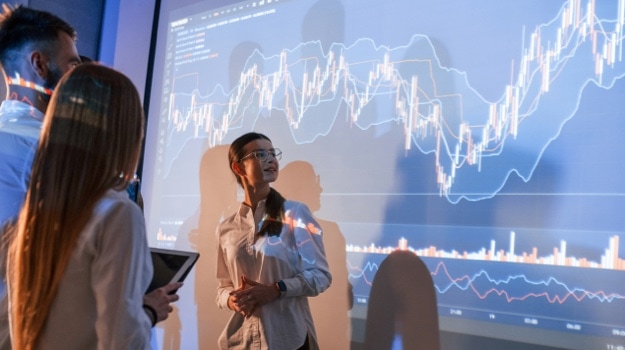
<point>486,137</point>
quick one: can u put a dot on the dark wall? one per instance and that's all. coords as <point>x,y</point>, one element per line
<point>84,15</point>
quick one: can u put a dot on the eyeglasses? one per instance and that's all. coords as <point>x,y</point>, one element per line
<point>263,154</point>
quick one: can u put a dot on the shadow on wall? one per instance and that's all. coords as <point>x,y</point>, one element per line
<point>402,312</point>
<point>218,198</point>
<point>299,182</point>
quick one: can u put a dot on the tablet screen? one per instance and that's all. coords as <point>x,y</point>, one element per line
<point>170,266</point>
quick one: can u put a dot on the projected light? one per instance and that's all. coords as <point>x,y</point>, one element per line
<point>485,139</point>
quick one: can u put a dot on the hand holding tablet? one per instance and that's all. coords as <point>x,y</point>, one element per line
<point>170,266</point>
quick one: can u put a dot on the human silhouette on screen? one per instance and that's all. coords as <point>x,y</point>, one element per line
<point>172,331</point>
<point>218,197</point>
<point>299,182</point>
<point>324,23</point>
<point>402,311</point>
<point>218,192</point>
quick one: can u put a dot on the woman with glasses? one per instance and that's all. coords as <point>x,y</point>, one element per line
<point>270,257</point>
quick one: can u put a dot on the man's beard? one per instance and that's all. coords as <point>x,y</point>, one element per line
<point>54,76</point>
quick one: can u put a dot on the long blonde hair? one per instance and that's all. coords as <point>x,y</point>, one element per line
<point>90,143</point>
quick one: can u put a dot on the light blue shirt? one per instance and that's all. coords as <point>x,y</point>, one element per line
<point>20,127</point>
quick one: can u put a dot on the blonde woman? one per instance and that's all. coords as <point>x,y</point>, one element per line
<point>78,260</point>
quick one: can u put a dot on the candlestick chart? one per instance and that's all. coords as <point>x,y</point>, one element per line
<point>436,108</point>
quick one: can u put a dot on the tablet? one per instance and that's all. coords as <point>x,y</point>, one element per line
<point>170,266</point>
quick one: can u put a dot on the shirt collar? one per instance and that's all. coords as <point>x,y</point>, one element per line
<point>20,108</point>
<point>259,213</point>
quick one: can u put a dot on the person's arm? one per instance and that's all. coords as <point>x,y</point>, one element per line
<point>121,272</point>
<point>315,276</point>
<point>313,279</point>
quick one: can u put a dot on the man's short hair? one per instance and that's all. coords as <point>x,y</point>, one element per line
<point>22,26</point>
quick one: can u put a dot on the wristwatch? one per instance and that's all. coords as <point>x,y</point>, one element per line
<point>281,286</point>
